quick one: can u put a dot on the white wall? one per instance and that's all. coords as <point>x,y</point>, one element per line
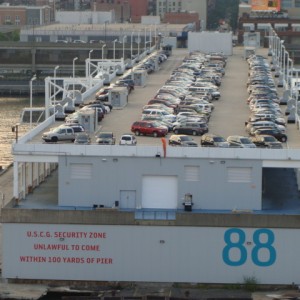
<point>150,253</point>
<point>84,17</point>
<point>210,42</point>
<point>149,20</point>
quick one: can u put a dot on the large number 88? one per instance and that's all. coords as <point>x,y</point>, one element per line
<point>239,244</point>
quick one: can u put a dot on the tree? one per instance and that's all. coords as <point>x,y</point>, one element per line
<point>223,10</point>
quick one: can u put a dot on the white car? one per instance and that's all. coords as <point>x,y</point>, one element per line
<point>128,139</point>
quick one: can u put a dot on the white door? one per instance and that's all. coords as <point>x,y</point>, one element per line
<point>127,199</point>
<point>159,192</point>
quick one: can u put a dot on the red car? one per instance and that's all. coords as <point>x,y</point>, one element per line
<point>149,128</point>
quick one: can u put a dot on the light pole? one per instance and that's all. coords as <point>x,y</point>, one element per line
<point>131,47</point>
<point>124,37</point>
<point>103,51</point>
<point>115,48</point>
<point>32,79</point>
<point>91,51</point>
<point>90,54</point>
<point>139,41</point>
<point>150,38</point>
<point>145,38</point>
<point>105,23</point>
<point>74,59</point>
<point>55,69</point>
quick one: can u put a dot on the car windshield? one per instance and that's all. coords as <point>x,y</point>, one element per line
<point>245,141</point>
<point>105,135</point>
<point>219,139</point>
<point>186,138</point>
<point>270,139</point>
<point>126,138</point>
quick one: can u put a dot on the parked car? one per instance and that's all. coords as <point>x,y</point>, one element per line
<point>61,133</point>
<point>280,136</point>
<point>194,128</point>
<point>212,140</point>
<point>82,139</point>
<point>182,140</point>
<point>159,113</point>
<point>105,138</point>
<point>266,141</point>
<point>128,81</point>
<point>240,141</point>
<point>76,127</point>
<point>128,139</point>
<point>149,128</point>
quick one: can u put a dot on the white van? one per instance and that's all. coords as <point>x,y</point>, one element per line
<point>159,113</point>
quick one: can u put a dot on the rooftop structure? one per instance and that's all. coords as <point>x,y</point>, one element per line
<point>152,212</point>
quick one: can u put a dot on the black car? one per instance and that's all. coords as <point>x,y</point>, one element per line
<point>192,128</point>
<point>182,140</point>
<point>282,137</point>
<point>266,141</point>
<point>105,138</point>
<point>212,140</point>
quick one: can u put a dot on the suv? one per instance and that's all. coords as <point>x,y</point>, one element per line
<point>62,133</point>
<point>128,139</point>
<point>76,127</point>
<point>194,128</point>
<point>240,141</point>
<point>149,128</point>
<point>279,135</point>
<point>212,140</point>
<point>182,140</point>
<point>105,138</point>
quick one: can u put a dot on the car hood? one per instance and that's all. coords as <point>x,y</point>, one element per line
<point>189,144</point>
<point>104,140</point>
<point>275,145</point>
<point>222,144</point>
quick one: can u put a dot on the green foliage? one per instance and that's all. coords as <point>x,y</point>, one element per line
<point>223,10</point>
<point>10,36</point>
<point>250,283</point>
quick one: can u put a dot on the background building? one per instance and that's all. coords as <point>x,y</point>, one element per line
<point>168,6</point>
<point>25,15</point>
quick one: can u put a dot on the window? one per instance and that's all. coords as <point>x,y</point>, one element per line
<point>192,173</point>
<point>297,3</point>
<point>286,3</point>
<point>239,175</point>
<point>7,20</point>
<point>81,171</point>
<point>17,20</point>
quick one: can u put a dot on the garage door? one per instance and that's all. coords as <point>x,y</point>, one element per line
<point>159,192</point>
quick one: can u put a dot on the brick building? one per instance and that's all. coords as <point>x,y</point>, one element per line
<point>183,18</point>
<point>25,15</point>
